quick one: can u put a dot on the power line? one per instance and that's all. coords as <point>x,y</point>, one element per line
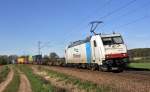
<point>45,44</point>
<point>41,46</point>
<point>118,9</point>
<point>135,10</point>
<point>105,4</point>
<point>132,22</point>
<point>132,11</point>
<point>112,12</point>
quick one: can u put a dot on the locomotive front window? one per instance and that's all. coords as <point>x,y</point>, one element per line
<point>117,40</point>
<point>107,41</point>
<point>112,40</point>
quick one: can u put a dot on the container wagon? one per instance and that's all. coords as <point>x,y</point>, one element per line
<point>37,59</point>
<point>106,52</point>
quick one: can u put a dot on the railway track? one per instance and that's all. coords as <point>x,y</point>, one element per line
<point>145,72</point>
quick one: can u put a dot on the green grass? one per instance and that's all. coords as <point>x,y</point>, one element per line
<point>141,61</point>
<point>140,65</point>
<point>4,72</point>
<point>86,85</point>
<point>14,84</point>
<point>38,84</point>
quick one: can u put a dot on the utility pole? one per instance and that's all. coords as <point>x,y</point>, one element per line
<point>39,47</point>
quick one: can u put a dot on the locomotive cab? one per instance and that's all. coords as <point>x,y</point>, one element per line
<point>109,51</point>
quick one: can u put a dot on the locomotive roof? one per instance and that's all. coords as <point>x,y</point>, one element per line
<point>89,38</point>
<point>110,35</point>
<point>79,42</point>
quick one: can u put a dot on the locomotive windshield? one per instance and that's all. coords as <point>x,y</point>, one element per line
<point>112,40</point>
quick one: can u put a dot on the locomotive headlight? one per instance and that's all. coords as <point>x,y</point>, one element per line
<point>124,54</point>
<point>107,56</point>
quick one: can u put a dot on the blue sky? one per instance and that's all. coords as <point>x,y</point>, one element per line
<point>58,22</point>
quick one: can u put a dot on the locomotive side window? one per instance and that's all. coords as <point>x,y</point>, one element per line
<point>95,44</point>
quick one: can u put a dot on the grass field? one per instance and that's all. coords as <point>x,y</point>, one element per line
<point>86,85</point>
<point>3,73</point>
<point>37,83</point>
<point>140,65</point>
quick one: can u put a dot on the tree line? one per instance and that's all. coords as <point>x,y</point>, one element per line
<point>139,52</point>
<point>7,59</point>
<point>139,55</point>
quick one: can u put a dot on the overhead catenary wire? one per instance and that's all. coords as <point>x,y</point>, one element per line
<point>110,13</point>
<point>87,17</point>
<point>131,12</point>
<point>132,22</point>
<point>41,46</point>
<point>117,10</point>
<point>134,10</point>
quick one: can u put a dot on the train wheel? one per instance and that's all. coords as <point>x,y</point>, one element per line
<point>104,68</point>
<point>93,67</point>
<point>120,69</point>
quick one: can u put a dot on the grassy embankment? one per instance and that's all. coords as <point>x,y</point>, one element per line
<point>38,84</point>
<point>140,65</point>
<point>4,72</point>
<point>14,84</point>
<point>86,85</point>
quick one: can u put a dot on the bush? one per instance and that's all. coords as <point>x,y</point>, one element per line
<point>4,60</point>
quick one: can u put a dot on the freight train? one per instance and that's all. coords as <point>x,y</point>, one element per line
<point>106,52</point>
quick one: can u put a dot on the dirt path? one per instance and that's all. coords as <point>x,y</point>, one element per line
<point>66,87</point>
<point>4,84</point>
<point>0,67</point>
<point>122,82</point>
<point>24,83</point>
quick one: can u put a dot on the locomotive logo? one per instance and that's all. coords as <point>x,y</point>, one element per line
<point>76,55</point>
<point>76,50</point>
